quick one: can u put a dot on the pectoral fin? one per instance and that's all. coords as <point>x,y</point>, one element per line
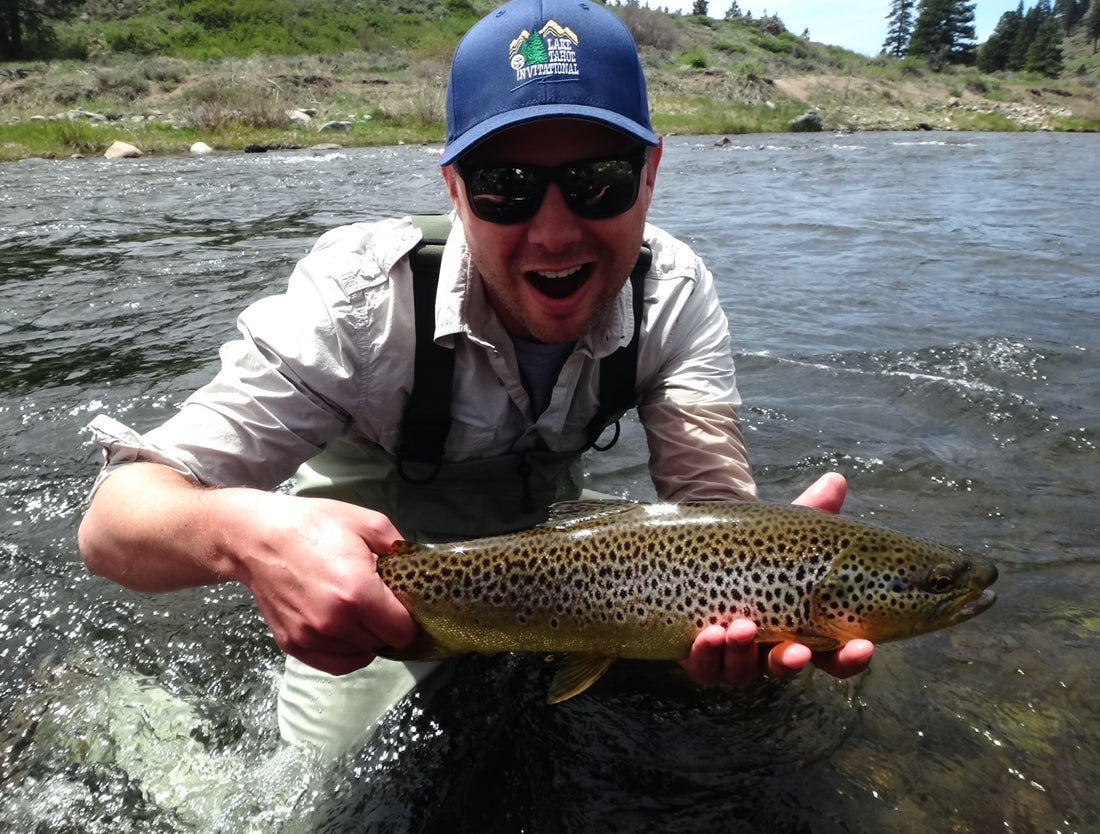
<point>576,672</point>
<point>423,647</point>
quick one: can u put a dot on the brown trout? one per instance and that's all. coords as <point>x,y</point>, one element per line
<point>608,579</point>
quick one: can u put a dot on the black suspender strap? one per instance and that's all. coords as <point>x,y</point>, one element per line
<point>427,417</point>
<point>619,371</point>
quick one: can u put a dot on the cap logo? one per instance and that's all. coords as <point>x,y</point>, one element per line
<point>549,51</point>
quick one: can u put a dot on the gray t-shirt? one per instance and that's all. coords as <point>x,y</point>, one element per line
<point>539,366</point>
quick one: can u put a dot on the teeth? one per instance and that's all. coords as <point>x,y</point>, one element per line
<point>559,283</point>
<point>563,274</point>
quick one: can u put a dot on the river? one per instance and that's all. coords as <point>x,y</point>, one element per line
<point>918,311</point>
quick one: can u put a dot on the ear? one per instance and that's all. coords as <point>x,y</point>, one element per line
<point>450,176</point>
<point>653,160</point>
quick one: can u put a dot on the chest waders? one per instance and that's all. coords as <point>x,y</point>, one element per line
<point>428,499</point>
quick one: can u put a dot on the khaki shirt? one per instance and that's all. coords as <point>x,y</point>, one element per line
<point>332,358</point>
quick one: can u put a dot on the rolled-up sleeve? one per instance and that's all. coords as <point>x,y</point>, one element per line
<point>697,452</point>
<point>689,399</point>
<point>123,445</point>
<point>288,386</point>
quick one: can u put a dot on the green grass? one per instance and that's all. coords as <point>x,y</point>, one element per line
<point>255,59</point>
<point>55,139</point>
<point>213,29</point>
<point>990,122</point>
<point>704,116</point>
<point>63,139</point>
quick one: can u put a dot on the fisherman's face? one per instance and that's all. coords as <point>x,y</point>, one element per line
<point>551,276</point>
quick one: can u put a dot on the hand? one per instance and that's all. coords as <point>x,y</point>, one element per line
<point>312,573</point>
<point>309,562</point>
<point>732,656</point>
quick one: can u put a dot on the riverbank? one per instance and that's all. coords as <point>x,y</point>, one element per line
<point>166,105</point>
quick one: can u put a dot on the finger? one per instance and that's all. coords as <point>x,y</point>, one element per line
<point>740,660</point>
<point>333,663</point>
<point>374,528</point>
<point>349,639</point>
<point>826,493</point>
<point>385,618</point>
<point>850,659</point>
<point>704,663</point>
<point>787,659</point>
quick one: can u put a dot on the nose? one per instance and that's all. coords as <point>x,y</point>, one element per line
<point>554,225</point>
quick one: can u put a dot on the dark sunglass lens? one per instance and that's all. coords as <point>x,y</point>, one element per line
<point>504,194</point>
<point>595,189</point>
<point>603,188</point>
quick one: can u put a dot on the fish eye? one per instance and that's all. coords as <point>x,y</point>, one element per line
<point>941,578</point>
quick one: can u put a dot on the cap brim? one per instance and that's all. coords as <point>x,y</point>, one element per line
<point>511,118</point>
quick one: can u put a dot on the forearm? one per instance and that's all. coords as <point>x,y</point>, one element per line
<point>697,452</point>
<point>309,562</point>
<point>150,529</point>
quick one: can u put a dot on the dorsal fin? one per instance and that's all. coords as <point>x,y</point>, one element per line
<point>571,513</point>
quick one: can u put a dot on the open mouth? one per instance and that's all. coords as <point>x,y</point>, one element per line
<point>949,611</point>
<point>558,285</point>
<point>977,605</point>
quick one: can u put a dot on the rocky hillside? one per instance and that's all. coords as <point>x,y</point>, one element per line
<point>706,77</point>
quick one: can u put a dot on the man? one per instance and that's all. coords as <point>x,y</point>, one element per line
<point>550,161</point>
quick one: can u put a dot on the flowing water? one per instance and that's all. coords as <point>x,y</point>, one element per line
<point>918,311</point>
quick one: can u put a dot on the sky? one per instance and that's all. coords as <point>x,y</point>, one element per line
<point>858,25</point>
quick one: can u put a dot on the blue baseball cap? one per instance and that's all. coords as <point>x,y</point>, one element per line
<point>543,59</point>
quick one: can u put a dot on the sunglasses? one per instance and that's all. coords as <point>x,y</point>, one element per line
<point>594,189</point>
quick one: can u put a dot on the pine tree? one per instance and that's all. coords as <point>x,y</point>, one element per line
<point>943,32</point>
<point>1070,13</point>
<point>900,26</point>
<point>1092,23</point>
<point>994,55</point>
<point>1026,35</point>
<point>1045,53</point>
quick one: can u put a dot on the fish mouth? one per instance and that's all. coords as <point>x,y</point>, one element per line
<point>559,284</point>
<point>957,609</point>
<point>977,605</point>
<point>950,612</point>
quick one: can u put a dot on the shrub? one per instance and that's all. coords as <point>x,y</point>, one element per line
<point>77,136</point>
<point>140,37</point>
<point>750,69</point>
<point>697,59</point>
<point>650,28</point>
<point>773,45</point>
<point>911,65</point>
<point>120,84</point>
<point>167,72</point>
<point>731,48</point>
